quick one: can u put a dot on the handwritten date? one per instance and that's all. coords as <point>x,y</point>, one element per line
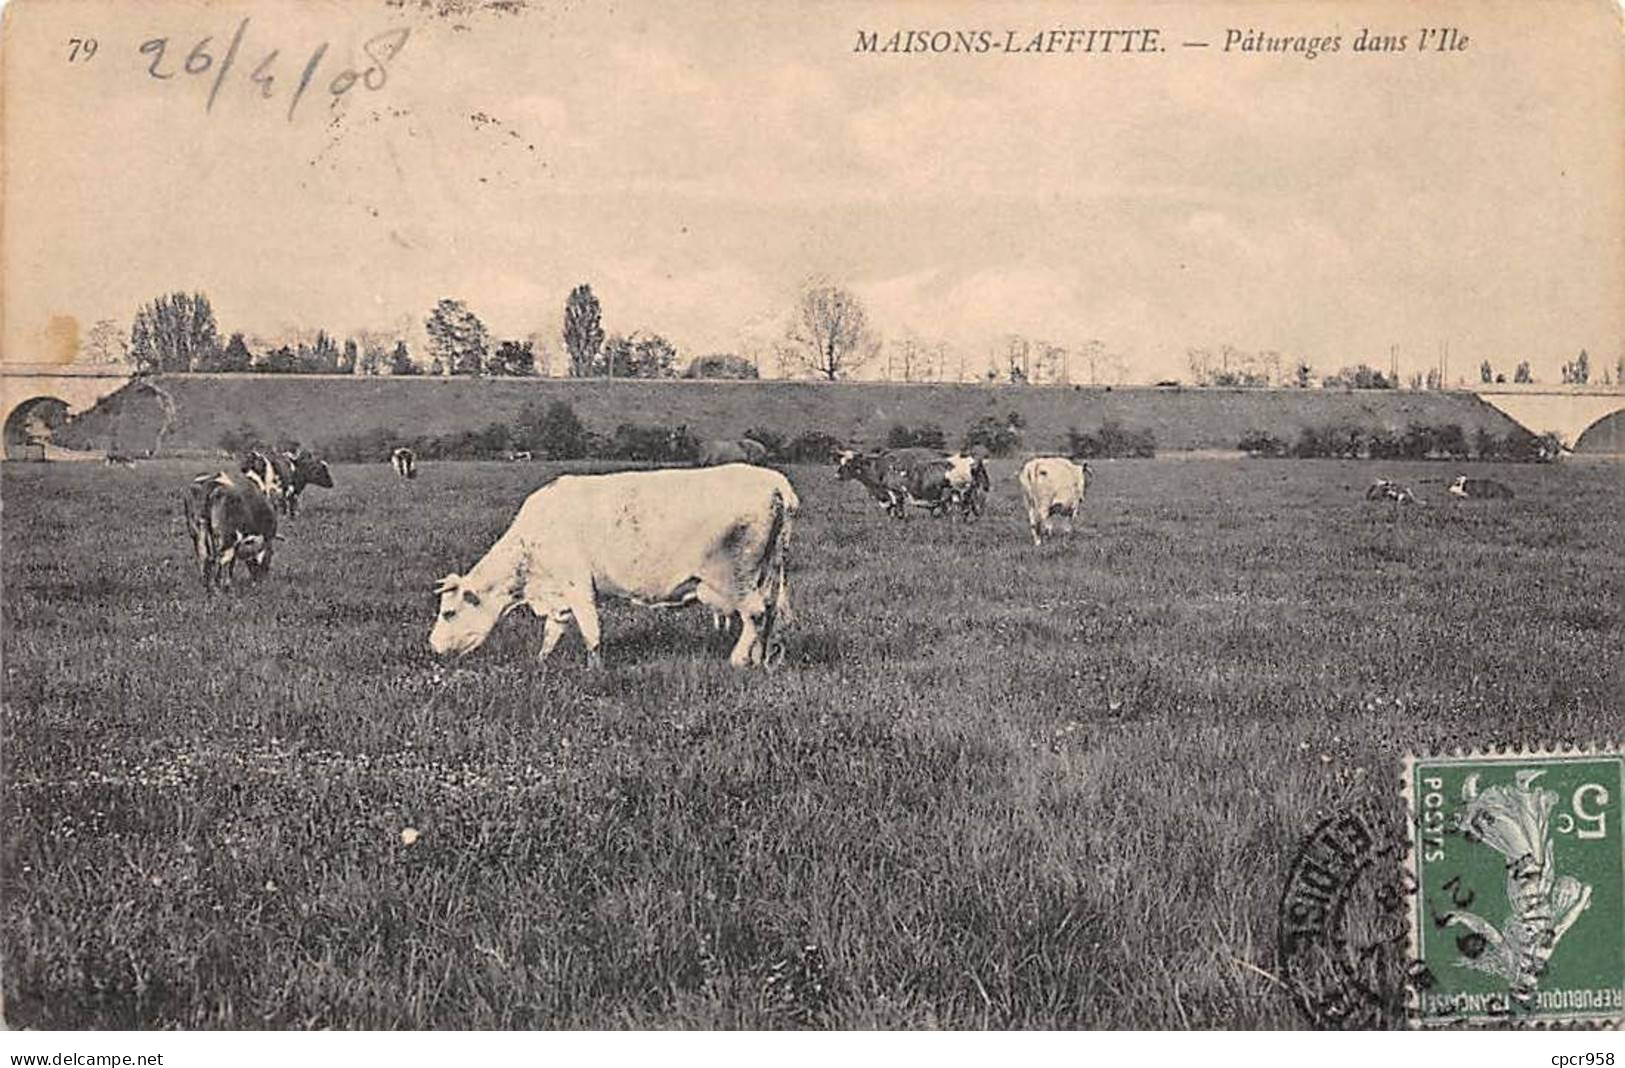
<point>380,51</point>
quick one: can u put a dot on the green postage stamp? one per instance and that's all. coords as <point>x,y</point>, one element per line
<point>1518,914</point>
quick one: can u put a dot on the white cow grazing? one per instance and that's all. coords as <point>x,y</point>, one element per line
<point>716,536</point>
<point>1052,486</point>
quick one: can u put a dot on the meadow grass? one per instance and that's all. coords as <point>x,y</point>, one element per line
<point>994,786</point>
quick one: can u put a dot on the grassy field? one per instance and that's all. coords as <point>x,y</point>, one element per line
<point>994,786</point>
<point>308,409</point>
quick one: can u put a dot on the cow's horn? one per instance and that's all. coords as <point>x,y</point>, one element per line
<point>448,583</point>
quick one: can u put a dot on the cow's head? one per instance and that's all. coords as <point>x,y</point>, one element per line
<point>314,471</point>
<point>465,618</point>
<point>1458,488</point>
<point>253,547</point>
<point>847,463</point>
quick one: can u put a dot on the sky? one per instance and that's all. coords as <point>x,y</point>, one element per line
<point>699,164</point>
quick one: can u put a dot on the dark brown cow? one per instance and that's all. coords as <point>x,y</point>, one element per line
<point>230,519</point>
<point>898,477</point>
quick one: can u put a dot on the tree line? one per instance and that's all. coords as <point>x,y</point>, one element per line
<point>827,335</point>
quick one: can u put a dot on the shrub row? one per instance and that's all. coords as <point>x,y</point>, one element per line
<point>553,432</point>
<point>1111,440</point>
<point>989,435</point>
<point>1416,442</point>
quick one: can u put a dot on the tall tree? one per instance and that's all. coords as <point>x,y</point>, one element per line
<point>236,356</point>
<point>583,330</point>
<point>457,338</point>
<point>1486,373</point>
<point>513,358</point>
<point>638,356</point>
<point>104,343</point>
<point>1523,374</point>
<point>320,357</point>
<point>829,333</point>
<point>400,361</point>
<point>174,333</point>
<point>350,357</point>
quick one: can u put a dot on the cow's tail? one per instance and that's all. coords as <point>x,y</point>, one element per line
<point>774,582</point>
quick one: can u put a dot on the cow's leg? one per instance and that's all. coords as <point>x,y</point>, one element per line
<point>204,552</point>
<point>722,610</point>
<point>210,567</point>
<point>557,623</point>
<point>585,612</point>
<point>1035,521</point>
<point>752,635</point>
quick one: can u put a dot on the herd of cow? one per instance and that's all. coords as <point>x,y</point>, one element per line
<point>716,534</point>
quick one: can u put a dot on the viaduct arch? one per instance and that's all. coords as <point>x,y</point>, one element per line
<point>1567,411</point>
<point>36,397</point>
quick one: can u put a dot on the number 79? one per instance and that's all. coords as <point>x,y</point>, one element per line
<point>78,46</point>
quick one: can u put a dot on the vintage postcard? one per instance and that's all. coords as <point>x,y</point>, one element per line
<point>540,516</point>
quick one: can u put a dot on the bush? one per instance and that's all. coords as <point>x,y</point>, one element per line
<point>648,443</point>
<point>993,436</point>
<point>683,447</point>
<point>924,436</point>
<point>1417,442</point>
<point>812,447</point>
<point>491,443</point>
<point>553,432</point>
<point>1262,443</point>
<point>1450,442</point>
<point>243,438</point>
<point>721,365</point>
<point>1522,447</point>
<point>370,446</point>
<point>772,440</point>
<point>1111,440</point>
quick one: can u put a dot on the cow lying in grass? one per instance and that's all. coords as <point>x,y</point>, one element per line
<point>731,451</point>
<point>231,519</point>
<point>1480,488</point>
<point>1384,490</point>
<point>669,538</point>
